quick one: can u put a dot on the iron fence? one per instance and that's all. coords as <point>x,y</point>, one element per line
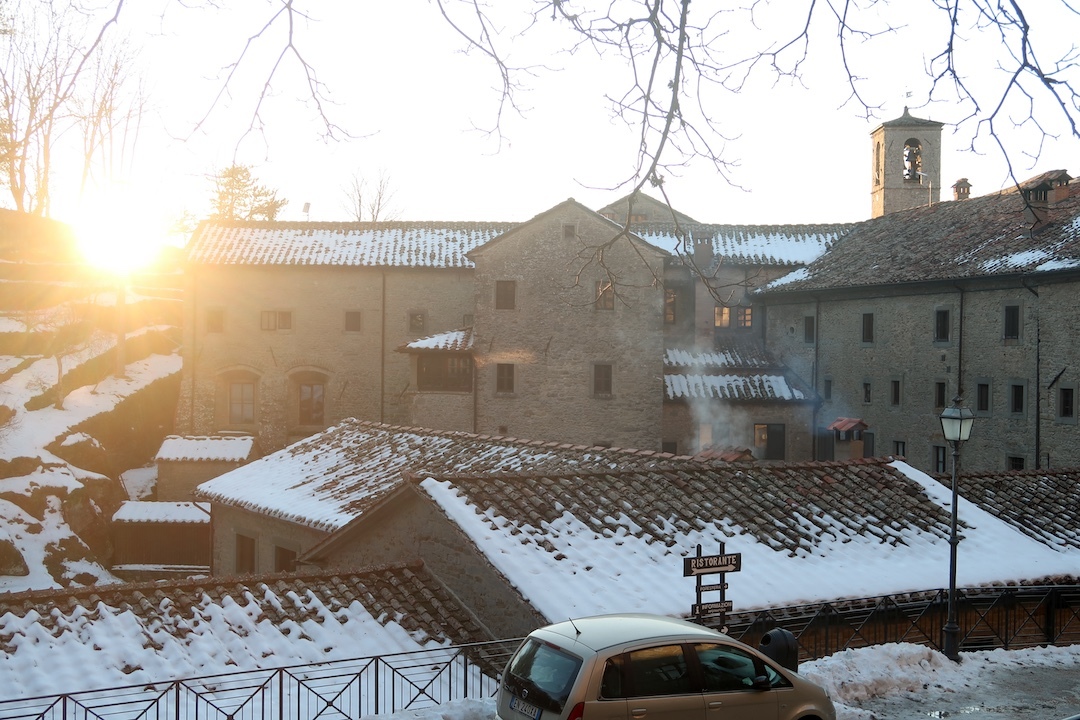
<point>993,617</point>
<point>1008,617</point>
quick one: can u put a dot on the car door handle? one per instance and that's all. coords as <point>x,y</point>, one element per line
<point>637,712</point>
<point>715,704</point>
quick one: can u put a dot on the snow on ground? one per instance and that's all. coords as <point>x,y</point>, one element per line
<point>904,681</point>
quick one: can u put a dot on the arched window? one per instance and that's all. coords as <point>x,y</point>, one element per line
<point>912,160</point>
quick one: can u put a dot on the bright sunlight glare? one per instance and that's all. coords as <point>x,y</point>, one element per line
<point>120,232</point>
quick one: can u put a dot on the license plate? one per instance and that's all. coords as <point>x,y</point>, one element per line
<point>526,709</point>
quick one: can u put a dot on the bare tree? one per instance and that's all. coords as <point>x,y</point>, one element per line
<point>367,201</point>
<point>47,71</point>
<point>678,65</point>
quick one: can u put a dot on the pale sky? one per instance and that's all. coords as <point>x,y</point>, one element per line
<point>412,99</point>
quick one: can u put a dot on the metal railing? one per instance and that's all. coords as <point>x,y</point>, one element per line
<point>995,617</point>
<point>1008,617</point>
<point>324,691</point>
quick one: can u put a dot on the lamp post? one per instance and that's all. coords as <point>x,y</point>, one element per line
<point>956,422</point>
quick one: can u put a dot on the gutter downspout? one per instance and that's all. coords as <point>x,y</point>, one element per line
<point>382,349</point>
<point>194,348</point>
<point>814,374</point>
<point>1038,378</point>
<point>960,348</point>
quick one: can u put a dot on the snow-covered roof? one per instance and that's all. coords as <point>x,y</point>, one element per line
<point>983,236</point>
<point>736,369</point>
<point>747,244</point>
<point>450,341</point>
<point>753,386</point>
<point>331,478</point>
<point>807,532</point>
<point>108,636</point>
<point>365,244</point>
<point>135,511</point>
<point>226,448</point>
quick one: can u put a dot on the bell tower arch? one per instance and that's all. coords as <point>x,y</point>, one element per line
<point>906,160</point>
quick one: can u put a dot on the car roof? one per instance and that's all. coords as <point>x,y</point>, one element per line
<point>603,631</point>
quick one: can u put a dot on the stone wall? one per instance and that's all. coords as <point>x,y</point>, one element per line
<point>905,351</point>
<point>555,335</point>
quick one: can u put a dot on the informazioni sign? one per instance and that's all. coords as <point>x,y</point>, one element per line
<point>699,566</point>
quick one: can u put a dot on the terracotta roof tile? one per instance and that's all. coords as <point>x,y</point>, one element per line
<point>406,594</point>
<point>1039,503</point>
<point>365,244</point>
<point>983,236</point>
<point>332,478</point>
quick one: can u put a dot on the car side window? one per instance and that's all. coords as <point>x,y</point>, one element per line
<point>725,668</point>
<point>611,684</point>
<point>658,671</point>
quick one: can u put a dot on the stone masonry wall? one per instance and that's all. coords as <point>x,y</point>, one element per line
<point>904,350</point>
<point>555,335</point>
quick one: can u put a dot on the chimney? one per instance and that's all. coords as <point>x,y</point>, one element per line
<point>961,189</point>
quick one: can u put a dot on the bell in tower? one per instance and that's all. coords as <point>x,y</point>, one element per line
<point>907,164</point>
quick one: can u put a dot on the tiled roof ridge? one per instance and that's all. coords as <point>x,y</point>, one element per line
<point>38,597</point>
<point>359,225</point>
<point>785,228</point>
<point>1027,472</point>
<point>510,440</point>
<point>702,463</point>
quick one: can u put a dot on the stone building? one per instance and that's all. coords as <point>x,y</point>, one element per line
<point>183,463</point>
<point>557,328</point>
<point>972,298</point>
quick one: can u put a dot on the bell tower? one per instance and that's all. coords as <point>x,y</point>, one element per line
<point>906,170</point>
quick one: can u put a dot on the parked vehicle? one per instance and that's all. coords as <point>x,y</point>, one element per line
<point>650,667</point>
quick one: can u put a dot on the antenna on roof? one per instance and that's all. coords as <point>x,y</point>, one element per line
<point>575,626</point>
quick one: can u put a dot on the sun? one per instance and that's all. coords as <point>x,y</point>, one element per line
<point>121,233</point>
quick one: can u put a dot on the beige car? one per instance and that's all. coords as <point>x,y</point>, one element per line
<point>650,667</point>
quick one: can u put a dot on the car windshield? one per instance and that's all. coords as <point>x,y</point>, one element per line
<point>543,674</point>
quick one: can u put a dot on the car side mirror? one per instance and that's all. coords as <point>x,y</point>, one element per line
<point>761,682</point>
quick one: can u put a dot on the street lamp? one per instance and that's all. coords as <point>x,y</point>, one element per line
<point>956,422</point>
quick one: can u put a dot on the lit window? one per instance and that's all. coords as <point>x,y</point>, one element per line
<point>670,301</point>
<point>721,316</point>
